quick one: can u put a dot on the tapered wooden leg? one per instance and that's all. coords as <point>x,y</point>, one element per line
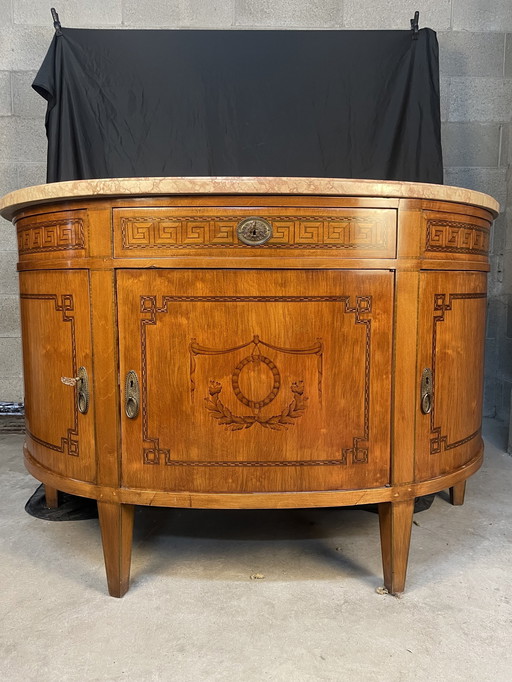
<point>116,523</point>
<point>457,493</point>
<point>51,496</point>
<point>395,519</point>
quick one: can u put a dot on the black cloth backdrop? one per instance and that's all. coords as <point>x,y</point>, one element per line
<point>352,104</point>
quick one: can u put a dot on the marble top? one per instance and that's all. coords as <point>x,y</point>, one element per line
<point>85,189</point>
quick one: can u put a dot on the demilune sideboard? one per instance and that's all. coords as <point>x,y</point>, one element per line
<point>252,343</point>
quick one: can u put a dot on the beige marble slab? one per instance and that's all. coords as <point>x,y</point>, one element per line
<point>83,189</point>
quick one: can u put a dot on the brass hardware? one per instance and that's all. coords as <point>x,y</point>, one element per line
<point>82,382</point>
<point>132,395</point>
<point>426,391</point>
<point>254,231</point>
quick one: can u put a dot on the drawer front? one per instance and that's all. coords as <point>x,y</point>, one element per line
<point>54,235</point>
<point>171,231</point>
<point>455,236</point>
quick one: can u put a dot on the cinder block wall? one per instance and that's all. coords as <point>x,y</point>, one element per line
<point>475,38</point>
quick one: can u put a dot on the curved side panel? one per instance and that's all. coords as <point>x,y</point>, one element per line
<point>451,344</point>
<point>56,343</point>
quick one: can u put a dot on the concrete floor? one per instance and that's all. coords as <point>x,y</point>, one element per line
<point>194,614</point>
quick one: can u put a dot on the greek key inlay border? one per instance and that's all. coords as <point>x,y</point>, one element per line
<point>57,235</point>
<point>290,232</point>
<point>450,236</point>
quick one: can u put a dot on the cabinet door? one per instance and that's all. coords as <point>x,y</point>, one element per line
<point>56,342</point>
<point>256,380</point>
<point>451,343</point>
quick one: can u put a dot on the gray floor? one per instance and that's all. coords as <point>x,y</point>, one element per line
<point>193,612</point>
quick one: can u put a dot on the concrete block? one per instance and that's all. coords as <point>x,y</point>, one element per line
<point>507,272</point>
<point>471,54</point>
<point>5,94</point>
<point>25,100</point>
<point>475,15</point>
<point>471,144</point>
<point>22,140</point>
<point>509,317</point>
<point>389,14</point>
<point>5,12</point>
<point>480,99</point>
<point>9,316</point>
<point>8,274</point>
<point>24,47</point>
<point>494,308</point>
<point>10,358</point>
<point>288,13</point>
<point>8,177</point>
<point>499,234</point>
<point>156,14</point>
<point>489,180</point>
<point>489,407</point>
<point>212,14</point>
<point>11,390</point>
<point>490,378</point>
<point>508,56</point>
<point>7,240</point>
<point>503,409</point>
<point>31,174</point>
<point>495,279</point>
<point>505,145</point>
<point>72,13</point>
<point>444,92</point>
<point>177,13</point>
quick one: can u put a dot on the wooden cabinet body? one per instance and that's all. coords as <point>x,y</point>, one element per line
<point>279,374</point>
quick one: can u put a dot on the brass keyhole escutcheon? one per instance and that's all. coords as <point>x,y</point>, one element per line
<point>427,394</point>
<point>83,390</point>
<point>254,231</point>
<point>132,395</point>
<point>81,381</point>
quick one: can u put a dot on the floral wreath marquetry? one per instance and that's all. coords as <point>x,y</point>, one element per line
<point>238,391</point>
<point>277,422</point>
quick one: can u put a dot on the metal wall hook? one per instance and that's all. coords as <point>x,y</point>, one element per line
<point>415,28</point>
<point>56,22</point>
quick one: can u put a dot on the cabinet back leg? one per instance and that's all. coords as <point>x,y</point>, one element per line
<point>116,523</point>
<point>395,520</point>
<point>457,493</point>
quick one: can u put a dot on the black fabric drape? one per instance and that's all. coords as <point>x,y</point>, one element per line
<point>353,104</point>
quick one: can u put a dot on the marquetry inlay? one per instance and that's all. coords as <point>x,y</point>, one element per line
<point>55,235</point>
<point>451,236</point>
<point>295,232</point>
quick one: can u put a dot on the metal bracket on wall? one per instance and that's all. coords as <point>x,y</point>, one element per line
<point>415,27</point>
<point>56,22</point>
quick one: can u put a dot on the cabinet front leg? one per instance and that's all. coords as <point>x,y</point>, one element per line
<point>51,496</point>
<point>457,493</point>
<point>395,520</point>
<point>116,523</point>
